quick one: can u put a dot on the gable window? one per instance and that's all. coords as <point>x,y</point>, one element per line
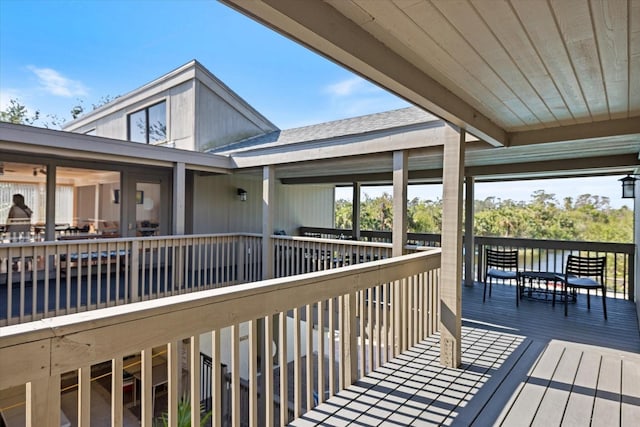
<point>149,125</point>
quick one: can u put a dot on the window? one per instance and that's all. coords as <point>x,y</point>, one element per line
<point>149,125</point>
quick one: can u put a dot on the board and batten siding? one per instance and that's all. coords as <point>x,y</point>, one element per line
<point>180,101</point>
<point>218,123</point>
<point>218,210</point>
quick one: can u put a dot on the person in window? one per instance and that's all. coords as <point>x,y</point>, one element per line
<point>19,219</point>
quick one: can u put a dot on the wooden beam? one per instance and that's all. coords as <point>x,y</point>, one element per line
<point>324,29</point>
<point>469,245</point>
<point>179,191</point>
<point>400,177</point>
<point>268,209</point>
<point>355,212</point>
<point>450,286</point>
<point>602,129</point>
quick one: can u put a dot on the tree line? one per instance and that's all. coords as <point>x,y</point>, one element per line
<point>584,218</point>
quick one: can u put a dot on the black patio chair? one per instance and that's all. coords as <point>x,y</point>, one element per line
<point>585,273</point>
<point>501,265</point>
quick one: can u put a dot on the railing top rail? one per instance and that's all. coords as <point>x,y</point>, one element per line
<point>99,239</point>
<point>60,344</point>
<point>628,248</point>
<point>335,241</point>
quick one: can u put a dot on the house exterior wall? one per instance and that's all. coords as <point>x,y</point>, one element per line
<point>218,210</point>
<point>180,102</point>
<point>218,123</point>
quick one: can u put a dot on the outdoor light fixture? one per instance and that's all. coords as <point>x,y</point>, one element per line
<point>628,187</point>
<point>242,195</point>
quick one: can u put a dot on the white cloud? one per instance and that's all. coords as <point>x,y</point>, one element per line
<point>348,87</point>
<point>57,84</point>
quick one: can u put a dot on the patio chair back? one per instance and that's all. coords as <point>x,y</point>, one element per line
<point>585,273</point>
<point>501,265</point>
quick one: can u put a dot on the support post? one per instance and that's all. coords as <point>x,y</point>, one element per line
<point>469,238</point>
<point>43,402</point>
<point>400,178</point>
<point>355,212</point>
<point>179,191</point>
<point>268,204</point>
<point>451,276</point>
<point>50,213</point>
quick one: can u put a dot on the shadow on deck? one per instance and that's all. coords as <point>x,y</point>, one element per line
<point>526,365</point>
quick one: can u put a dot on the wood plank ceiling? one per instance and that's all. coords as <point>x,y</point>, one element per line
<point>511,72</point>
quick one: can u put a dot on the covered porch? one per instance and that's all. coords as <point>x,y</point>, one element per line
<point>526,365</point>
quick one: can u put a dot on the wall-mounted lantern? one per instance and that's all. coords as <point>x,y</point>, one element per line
<point>242,194</point>
<point>628,187</point>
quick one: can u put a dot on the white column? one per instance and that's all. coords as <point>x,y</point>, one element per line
<point>451,270</point>
<point>50,209</point>
<point>268,204</point>
<point>400,178</point>
<point>179,191</point>
<point>469,244</point>
<point>636,239</point>
<point>355,212</point>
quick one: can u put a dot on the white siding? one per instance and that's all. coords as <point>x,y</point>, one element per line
<point>180,112</point>
<point>218,123</point>
<point>217,209</point>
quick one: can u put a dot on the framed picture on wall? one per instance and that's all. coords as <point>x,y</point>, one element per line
<point>139,197</point>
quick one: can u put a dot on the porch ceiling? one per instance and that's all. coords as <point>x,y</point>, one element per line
<point>516,74</point>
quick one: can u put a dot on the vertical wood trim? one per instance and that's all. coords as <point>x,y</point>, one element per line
<point>450,296</point>
<point>469,244</point>
<point>216,380</point>
<point>50,213</point>
<point>268,371</point>
<point>284,384</point>
<point>342,361</point>
<point>321,364</point>
<point>194,383</point>
<point>84,396</point>
<point>146,384</point>
<point>133,271</point>
<point>253,373</point>
<point>179,191</point>
<point>43,402</point>
<point>309,351</point>
<point>400,178</point>
<point>331,342</point>
<point>235,375</point>
<point>297,392</point>
<point>268,209</point>
<point>355,212</point>
<point>116,391</point>
<point>173,366</point>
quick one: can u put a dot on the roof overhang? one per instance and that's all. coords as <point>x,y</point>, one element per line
<point>28,140</point>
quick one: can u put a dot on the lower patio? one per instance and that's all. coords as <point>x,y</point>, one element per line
<point>526,365</point>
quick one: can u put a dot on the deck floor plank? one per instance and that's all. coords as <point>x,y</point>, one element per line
<point>606,408</point>
<point>556,396</point>
<point>580,405</point>
<point>522,412</point>
<point>630,412</point>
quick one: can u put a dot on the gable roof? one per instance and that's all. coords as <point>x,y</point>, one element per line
<point>394,119</point>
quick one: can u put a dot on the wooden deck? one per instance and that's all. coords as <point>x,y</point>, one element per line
<point>526,365</point>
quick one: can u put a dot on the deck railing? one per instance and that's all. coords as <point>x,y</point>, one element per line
<point>297,255</point>
<point>534,254</point>
<point>351,319</point>
<point>45,279</point>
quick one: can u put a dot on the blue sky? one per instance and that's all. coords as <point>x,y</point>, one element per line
<point>55,53</point>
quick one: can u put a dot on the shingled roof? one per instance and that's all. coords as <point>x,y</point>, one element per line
<point>339,128</point>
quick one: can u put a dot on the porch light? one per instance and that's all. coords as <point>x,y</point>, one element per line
<point>628,187</point>
<point>242,194</point>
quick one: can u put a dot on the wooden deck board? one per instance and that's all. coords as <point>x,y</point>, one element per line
<point>580,404</point>
<point>606,408</point>
<point>521,366</point>
<point>555,399</point>
<point>630,412</point>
